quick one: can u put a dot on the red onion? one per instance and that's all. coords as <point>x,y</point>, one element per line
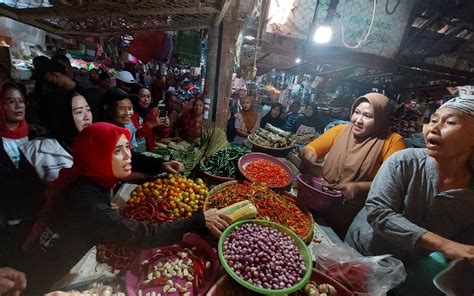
<point>264,256</point>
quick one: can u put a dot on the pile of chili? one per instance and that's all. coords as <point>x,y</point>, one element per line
<point>116,257</point>
<point>270,205</point>
<point>266,172</point>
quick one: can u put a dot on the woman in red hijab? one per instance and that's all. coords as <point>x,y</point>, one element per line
<point>82,215</point>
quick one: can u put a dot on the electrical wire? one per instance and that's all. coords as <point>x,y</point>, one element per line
<point>394,8</point>
<point>362,41</point>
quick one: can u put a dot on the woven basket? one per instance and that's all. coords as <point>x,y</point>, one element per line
<point>222,186</point>
<point>279,152</point>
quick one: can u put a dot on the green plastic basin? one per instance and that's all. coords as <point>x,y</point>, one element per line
<point>307,259</point>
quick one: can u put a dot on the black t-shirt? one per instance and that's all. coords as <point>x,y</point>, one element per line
<point>85,218</point>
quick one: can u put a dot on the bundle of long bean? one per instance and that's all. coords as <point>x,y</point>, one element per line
<point>223,163</point>
<point>213,138</point>
<point>270,205</point>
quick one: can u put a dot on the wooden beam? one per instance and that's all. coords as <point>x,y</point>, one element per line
<point>423,87</point>
<point>335,71</point>
<point>44,13</point>
<point>263,57</point>
<point>225,8</point>
<point>8,12</point>
<point>452,33</point>
<point>420,30</point>
<point>121,32</point>
<point>432,68</point>
<point>36,24</point>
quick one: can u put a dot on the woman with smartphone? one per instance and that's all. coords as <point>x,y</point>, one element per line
<point>151,124</point>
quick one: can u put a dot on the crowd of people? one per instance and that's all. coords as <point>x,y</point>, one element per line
<point>83,141</point>
<point>245,119</point>
<point>89,137</point>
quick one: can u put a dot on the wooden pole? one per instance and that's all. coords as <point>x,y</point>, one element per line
<point>211,67</point>
<point>231,28</point>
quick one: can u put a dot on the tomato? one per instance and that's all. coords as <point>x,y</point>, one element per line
<point>172,205</point>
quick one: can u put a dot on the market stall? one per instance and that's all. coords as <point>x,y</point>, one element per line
<point>277,241</point>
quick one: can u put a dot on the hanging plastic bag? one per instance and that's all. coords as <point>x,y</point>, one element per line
<point>372,275</point>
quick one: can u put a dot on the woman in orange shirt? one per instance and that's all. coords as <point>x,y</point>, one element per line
<point>353,154</point>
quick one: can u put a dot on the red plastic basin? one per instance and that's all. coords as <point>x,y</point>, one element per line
<point>311,195</point>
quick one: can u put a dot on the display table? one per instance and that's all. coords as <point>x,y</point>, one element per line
<point>88,270</point>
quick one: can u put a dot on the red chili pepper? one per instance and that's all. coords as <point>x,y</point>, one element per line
<point>154,283</point>
<point>266,172</point>
<point>270,205</point>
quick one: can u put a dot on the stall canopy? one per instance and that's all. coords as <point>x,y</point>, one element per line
<point>412,44</point>
<point>112,17</point>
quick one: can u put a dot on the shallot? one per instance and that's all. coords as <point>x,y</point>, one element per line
<point>264,257</point>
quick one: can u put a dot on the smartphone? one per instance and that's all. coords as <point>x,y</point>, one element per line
<point>162,112</point>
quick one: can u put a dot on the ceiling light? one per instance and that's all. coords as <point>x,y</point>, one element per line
<point>323,34</point>
<point>298,60</point>
<point>248,37</point>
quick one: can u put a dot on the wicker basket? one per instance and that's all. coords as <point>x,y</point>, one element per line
<point>222,186</point>
<point>278,152</point>
<point>212,177</point>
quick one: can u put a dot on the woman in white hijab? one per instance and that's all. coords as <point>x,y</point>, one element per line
<point>422,200</point>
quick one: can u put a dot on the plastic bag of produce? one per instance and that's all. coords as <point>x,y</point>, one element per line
<point>371,275</point>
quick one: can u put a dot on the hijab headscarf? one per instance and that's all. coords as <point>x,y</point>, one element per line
<point>22,130</point>
<point>142,112</point>
<point>249,116</point>
<point>309,121</point>
<point>277,122</point>
<point>352,160</point>
<point>463,103</point>
<point>93,149</point>
<point>92,152</point>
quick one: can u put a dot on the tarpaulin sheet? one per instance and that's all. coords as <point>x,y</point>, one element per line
<point>147,46</point>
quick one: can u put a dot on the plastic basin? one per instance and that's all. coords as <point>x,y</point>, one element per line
<point>307,259</point>
<point>311,195</point>
<point>254,156</point>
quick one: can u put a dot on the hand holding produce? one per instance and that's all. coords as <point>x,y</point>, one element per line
<point>173,167</point>
<point>264,256</point>
<point>349,190</point>
<point>216,222</point>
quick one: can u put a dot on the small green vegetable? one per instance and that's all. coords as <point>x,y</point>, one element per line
<point>223,163</point>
